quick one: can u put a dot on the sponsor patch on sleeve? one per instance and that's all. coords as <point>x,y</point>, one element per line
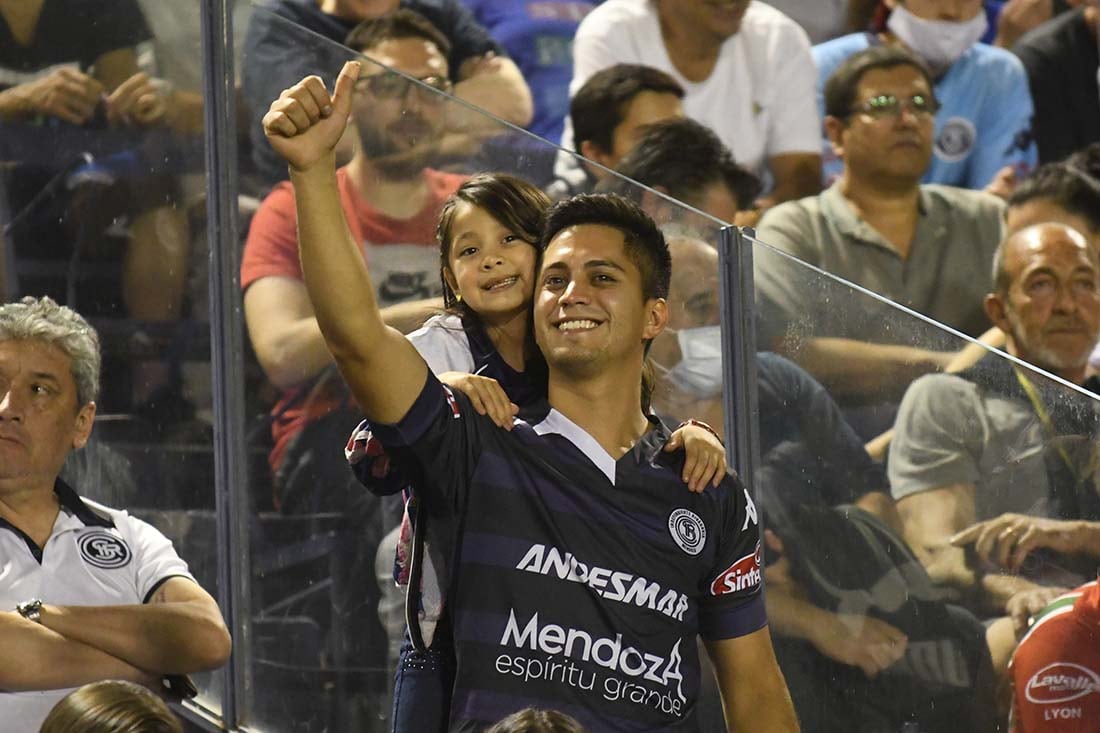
<point>743,575</point>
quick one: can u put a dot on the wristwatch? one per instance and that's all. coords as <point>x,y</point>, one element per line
<point>30,610</point>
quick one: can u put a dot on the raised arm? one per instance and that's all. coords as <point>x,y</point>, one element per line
<point>383,370</point>
<point>179,630</point>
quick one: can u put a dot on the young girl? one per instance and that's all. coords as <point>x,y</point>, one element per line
<point>484,346</point>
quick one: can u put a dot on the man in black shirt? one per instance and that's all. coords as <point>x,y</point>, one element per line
<point>1062,62</point>
<point>583,571</point>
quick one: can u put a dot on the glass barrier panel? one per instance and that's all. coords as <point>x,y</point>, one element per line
<point>919,492</point>
<point>101,206</point>
<point>327,616</point>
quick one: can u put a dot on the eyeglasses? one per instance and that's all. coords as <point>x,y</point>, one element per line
<point>883,106</point>
<point>391,85</point>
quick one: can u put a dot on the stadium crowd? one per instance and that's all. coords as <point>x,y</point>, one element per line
<point>488,381</point>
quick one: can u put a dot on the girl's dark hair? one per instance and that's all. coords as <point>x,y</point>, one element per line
<point>111,706</point>
<point>515,203</point>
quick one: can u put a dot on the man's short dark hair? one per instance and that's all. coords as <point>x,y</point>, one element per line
<point>393,26</point>
<point>840,89</point>
<point>599,106</point>
<point>1068,185</point>
<point>683,157</point>
<point>643,241</point>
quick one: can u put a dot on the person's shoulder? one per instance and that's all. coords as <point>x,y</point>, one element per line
<point>937,392</point>
<point>1054,37</point>
<point>613,16</point>
<point>127,525</point>
<point>989,62</point>
<point>764,19</point>
<point>797,212</point>
<point>829,54</point>
<point>969,201</point>
<point>439,330</point>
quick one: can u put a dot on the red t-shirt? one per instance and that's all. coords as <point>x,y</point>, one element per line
<point>1056,668</point>
<point>401,253</point>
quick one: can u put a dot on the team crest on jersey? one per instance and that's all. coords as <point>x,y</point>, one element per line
<point>1061,682</point>
<point>688,531</point>
<point>956,139</point>
<point>104,550</point>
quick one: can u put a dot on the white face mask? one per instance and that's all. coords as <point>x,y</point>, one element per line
<point>939,43</point>
<point>700,369</point>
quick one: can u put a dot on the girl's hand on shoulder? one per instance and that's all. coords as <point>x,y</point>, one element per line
<point>705,455</point>
<point>485,394</point>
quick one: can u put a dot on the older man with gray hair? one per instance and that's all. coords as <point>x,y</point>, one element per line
<point>87,592</point>
<point>996,438</point>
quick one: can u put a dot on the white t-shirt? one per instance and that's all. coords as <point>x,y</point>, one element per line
<point>759,99</point>
<point>95,556</point>
<point>443,344</point>
<point>822,20</point>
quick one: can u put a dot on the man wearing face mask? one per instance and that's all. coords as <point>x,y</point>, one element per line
<point>1062,59</point>
<point>983,129</point>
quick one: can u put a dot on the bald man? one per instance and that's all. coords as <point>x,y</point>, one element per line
<point>978,444</point>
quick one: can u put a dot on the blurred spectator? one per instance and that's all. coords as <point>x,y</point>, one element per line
<point>538,36</point>
<point>1055,670</point>
<point>994,439</point>
<point>1058,192</point>
<point>534,720</point>
<point>983,126</point>
<point>745,68</point>
<point>391,199</point>
<point>274,59</point>
<point>608,114</point>
<point>925,246</point>
<point>1063,66</point>
<point>111,599</point>
<point>686,161</point>
<point>1011,19</point>
<point>111,706</point>
<point>812,461</point>
<point>1057,661</point>
<point>73,62</point>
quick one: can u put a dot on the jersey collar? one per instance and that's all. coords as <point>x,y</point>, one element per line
<point>73,506</point>
<point>645,448</point>
<point>72,503</point>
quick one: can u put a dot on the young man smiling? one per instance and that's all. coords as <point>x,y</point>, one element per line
<point>584,571</point>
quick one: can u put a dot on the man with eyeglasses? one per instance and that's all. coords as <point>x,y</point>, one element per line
<point>391,200</point>
<point>983,134</point>
<point>290,39</point>
<point>925,246</point>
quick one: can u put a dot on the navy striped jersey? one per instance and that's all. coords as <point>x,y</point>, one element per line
<point>579,582</point>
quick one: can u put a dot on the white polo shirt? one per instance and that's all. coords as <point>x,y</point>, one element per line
<point>95,556</point>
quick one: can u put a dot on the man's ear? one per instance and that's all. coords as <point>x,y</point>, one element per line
<point>834,131</point>
<point>656,318</point>
<point>592,151</point>
<point>996,309</point>
<point>82,425</point>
